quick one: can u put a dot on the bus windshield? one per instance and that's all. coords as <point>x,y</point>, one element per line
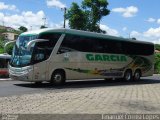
<point>21,56</point>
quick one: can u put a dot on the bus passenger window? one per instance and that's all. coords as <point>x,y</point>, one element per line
<point>2,63</point>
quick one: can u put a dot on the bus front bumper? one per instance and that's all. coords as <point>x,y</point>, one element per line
<point>21,74</point>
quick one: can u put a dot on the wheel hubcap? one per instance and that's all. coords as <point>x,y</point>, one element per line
<point>58,78</point>
<point>137,76</point>
<point>128,76</point>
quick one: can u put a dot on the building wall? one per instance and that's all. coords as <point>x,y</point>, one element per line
<point>10,36</point>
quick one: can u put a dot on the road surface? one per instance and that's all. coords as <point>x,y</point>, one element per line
<point>11,88</point>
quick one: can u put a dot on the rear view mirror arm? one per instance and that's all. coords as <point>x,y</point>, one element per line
<point>30,43</point>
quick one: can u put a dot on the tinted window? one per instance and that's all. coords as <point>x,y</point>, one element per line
<point>138,48</point>
<point>43,50</point>
<point>87,44</point>
<point>4,62</point>
<point>98,45</point>
<point>76,43</point>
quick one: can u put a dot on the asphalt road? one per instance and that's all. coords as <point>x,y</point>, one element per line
<point>11,88</point>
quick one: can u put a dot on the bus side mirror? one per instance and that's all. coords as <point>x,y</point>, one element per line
<point>30,43</point>
<point>5,46</point>
<point>7,49</point>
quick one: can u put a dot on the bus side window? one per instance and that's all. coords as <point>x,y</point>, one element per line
<point>3,63</point>
<point>7,61</point>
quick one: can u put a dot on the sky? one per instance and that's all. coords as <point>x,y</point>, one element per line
<point>128,18</point>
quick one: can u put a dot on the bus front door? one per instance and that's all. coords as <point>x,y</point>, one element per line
<point>40,68</point>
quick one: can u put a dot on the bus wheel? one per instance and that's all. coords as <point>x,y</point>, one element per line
<point>137,75</point>
<point>58,78</point>
<point>128,75</point>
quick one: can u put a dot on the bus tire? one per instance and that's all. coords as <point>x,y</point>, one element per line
<point>58,77</point>
<point>137,75</point>
<point>128,75</point>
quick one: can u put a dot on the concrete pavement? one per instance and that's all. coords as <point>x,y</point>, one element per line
<point>141,97</point>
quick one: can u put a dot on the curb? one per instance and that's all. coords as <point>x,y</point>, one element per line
<point>5,79</point>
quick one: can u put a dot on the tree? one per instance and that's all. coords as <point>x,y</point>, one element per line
<point>88,17</point>
<point>96,9</point>
<point>9,49</point>
<point>77,17</point>
<point>157,59</point>
<point>1,43</point>
<point>157,46</point>
<point>157,63</point>
<point>23,29</point>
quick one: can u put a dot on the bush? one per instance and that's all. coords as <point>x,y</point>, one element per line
<point>1,50</point>
<point>9,49</point>
<point>157,63</point>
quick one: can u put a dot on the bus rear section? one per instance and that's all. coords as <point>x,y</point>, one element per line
<point>4,59</point>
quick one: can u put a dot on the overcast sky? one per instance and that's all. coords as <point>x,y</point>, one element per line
<point>128,18</point>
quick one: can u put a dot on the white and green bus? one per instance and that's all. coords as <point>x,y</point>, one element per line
<point>57,55</point>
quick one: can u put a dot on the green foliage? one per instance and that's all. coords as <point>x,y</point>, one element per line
<point>17,32</point>
<point>3,30</point>
<point>96,9</point>
<point>88,16</point>
<point>1,41</point>
<point>1,44</point>
<point>1,50</point>
<point>23,29</point>
<point>9,48</point>
<point>157,63</point>
<point>157,47</point>
<point>77,17</point>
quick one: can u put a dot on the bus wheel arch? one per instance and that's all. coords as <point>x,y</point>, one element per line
<point>58,77</point>
<point>137,74</point>
<point>128,75</point>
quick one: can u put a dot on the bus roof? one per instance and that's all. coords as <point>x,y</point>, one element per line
<point>82,33</point>
<point>5,56</point>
